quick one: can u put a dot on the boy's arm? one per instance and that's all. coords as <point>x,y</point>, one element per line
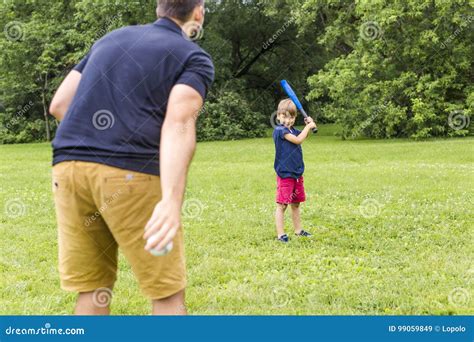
<point>302,136</point>
<point>64,95</point>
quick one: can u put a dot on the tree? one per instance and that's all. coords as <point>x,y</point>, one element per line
<point>404,67</point>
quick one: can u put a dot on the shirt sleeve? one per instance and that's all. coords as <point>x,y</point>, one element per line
<point>198,73</point>
<point>284,131</point>
<point>82,64</point>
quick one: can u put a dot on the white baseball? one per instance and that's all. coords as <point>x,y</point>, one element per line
<point>163,251</point>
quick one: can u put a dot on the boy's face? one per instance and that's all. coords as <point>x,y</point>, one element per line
<point>286,120</point>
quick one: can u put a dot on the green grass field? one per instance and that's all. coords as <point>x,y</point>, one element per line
<point>392,224</point>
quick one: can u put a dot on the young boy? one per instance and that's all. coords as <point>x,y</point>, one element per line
<point>289,167</point>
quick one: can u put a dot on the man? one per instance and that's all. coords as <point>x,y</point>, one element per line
<point>121,156</point>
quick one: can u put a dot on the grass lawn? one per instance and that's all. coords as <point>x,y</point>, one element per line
<point>392,223</point>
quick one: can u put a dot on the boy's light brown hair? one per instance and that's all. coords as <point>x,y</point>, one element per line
<point>287,107</point>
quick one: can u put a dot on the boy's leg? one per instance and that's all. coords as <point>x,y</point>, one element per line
<point>295,215</point>
<point>172,305</point>
<point>280,219</point>
<point>298,196</point>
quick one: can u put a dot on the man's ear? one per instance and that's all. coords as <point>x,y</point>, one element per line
<point>198,14</point>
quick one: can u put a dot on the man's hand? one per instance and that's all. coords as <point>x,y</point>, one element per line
<point>177,145</point>
<point>163,225</point>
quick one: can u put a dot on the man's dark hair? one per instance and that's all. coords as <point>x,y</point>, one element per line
<point>178,9</point>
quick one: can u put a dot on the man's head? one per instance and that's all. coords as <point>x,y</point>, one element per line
<point>181,10</point>
<point>286,113</point>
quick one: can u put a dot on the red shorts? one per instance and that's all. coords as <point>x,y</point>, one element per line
<point>290,190</point>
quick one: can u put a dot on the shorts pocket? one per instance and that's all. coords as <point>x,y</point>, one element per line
<point>128,201</point>
<point>129,185</point>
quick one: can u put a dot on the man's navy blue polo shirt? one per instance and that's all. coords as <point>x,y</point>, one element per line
<point>288,156</point>
<point>117,113</point>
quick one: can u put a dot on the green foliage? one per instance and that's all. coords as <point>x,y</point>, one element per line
<point>55,36</point>
<point>28,131</point>
<point>380,68</point>
<point>411,59</point>
<point>230,117</point>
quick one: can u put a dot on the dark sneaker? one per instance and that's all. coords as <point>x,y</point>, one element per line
<point>283,238</point>
<point>304,233</point>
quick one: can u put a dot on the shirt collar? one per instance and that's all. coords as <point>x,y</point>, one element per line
<point>168,24</point>
<point>282,125</point>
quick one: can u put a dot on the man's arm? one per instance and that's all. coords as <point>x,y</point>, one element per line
<point>64,95</point>
<point>298,140</point>
<point>178,142</point>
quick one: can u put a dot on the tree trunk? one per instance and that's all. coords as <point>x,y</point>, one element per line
<point>45,108</point>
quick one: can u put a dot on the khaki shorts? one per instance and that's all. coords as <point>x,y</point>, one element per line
<point>100,208</point>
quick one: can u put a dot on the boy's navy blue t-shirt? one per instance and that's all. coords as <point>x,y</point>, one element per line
<point>117,113</point>
<point>288,156</point>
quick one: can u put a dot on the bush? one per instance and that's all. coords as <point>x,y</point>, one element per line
<point>408,75</point>
<point>230,117</point>
<point>23,132</point>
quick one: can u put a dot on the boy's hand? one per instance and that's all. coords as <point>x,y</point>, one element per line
<point>311,125</point>
<point>308,120</point>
